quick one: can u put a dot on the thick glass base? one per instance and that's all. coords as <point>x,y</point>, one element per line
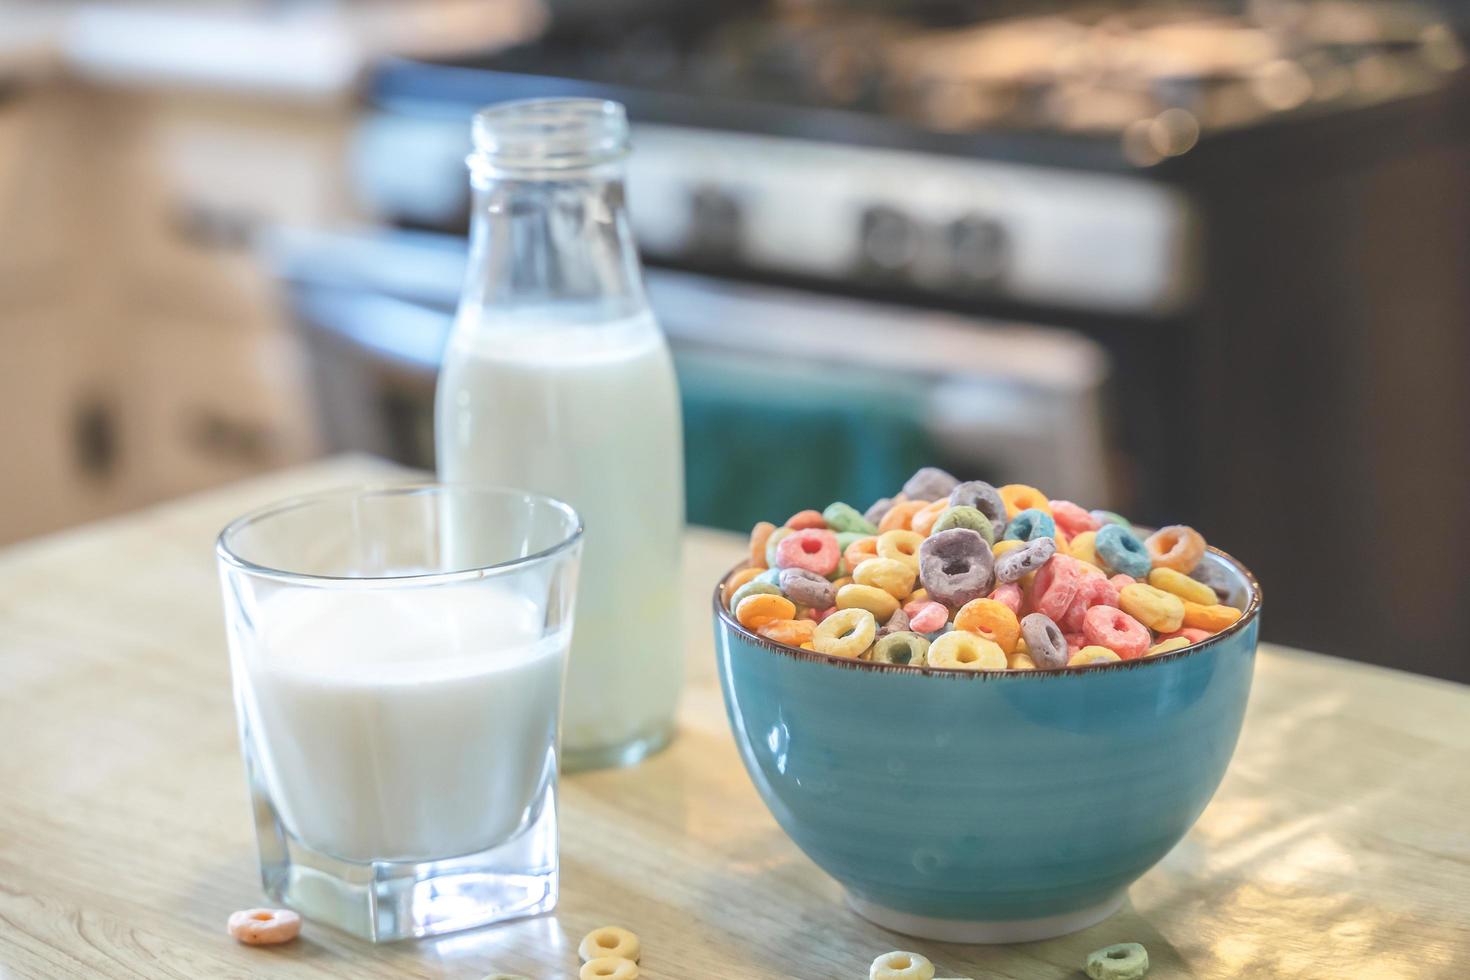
<point>382,901</point>
<point>985,931</point>
<point>628,753</point>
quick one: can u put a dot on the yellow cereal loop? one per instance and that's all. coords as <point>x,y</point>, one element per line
<point>992,620</point>
<point>919,595</point>
<point>844,580</point>
<point>757,610</point>
<point>845,633</point>
<point>1168,646</point>
<point>1084,548</point>
<point>1212,617</point>
<point>1182,585</point>
<point>608,968</point>
<point>889,574</point>
<point>1020,661</point>
<point>881,604</point>
<point>1019,497</point>
<point>963,650</point>
<point>901,965</point>
<point>610,941</point>
<point>1160,611</point>
<point>1093,655</point>
<point>1001,547</point>
<point>900,545</point>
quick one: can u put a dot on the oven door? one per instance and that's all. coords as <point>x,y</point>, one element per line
<point>790,399</point>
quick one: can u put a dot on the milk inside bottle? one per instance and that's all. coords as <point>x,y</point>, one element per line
<point>557,379</point>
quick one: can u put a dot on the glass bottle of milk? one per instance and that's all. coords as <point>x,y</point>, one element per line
<point>557,379</point>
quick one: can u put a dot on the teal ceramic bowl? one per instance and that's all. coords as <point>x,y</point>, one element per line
<point>988,807</point>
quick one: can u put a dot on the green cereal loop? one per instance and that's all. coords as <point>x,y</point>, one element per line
<point>771,543</point>
<point>1125,961</point>
<point>902,647</point>
<point>968,517</point>
<point>841,517</point>
<point>753,587</point>
<point>840,571</point>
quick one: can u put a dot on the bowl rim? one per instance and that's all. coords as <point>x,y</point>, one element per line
<point>1248,616</point>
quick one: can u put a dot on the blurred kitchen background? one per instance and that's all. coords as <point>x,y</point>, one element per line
<point>1199,262</point>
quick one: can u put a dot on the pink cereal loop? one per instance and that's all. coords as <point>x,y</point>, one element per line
<point>1055,586</point>
<point>1075,642</point>
<point>929,617</point>
<point>1105,626</point>
<point>810,549</point>
<point>264,927</point>
<point>1072,519</point>
<point>1009,594</point>
<point>1094,591</point>
<point>1121,581</point>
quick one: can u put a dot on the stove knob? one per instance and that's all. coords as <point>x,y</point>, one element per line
<point>715,224</point>
<point>890,240</point>
<point>979,249</point>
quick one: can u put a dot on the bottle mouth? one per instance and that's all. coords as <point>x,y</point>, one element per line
<point>548,134</point>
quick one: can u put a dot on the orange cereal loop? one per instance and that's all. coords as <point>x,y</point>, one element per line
<point>1178,547</point>
<point>807,519</point>
<point>992,620</point>
<point>1019,497</point>
<point>860,551</point>
<point>738,578</point>
<point>1213,618</point>
<point>901,515</point>
<point>264,927</point>
<point>757,610</point>
<point>923,521</point>
<point>759,535</point>
<point>792,632</point>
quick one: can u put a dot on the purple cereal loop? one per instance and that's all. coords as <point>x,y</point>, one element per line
<point>807,588</point>
<point>984,498</point>
<point>956,566</point>
<point>929,483</point>
<point>880,507</point>
<point>1014,564</point>
<point>1044,641</point>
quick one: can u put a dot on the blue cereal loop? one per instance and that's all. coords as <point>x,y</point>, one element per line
<point>1121,552</point>
<point>1031,524</point>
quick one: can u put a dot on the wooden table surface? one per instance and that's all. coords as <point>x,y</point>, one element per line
<point>1339,844</point>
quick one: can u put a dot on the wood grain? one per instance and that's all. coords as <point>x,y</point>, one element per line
<point>1336,847</point>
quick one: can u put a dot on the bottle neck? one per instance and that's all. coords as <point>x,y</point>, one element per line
<point>554,239</point>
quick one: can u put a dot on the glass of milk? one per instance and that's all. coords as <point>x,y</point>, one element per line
<point>398,656</point>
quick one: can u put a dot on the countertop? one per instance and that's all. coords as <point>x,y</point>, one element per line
<point>1337,845</point>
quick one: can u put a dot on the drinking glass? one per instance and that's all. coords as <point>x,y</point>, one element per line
<point>398,656</point>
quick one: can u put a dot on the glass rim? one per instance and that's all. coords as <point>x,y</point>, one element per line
<point>225,553</point>
<point>547,134</point>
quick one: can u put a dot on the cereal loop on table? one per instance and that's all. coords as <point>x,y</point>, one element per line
<point>1186,588</point>
<point>1019,497</point>
<point>756,611</point>
<point>845,633</point>
<point>900,515</point>
<point>1178,547</point>
<point>1158,610</point>
<point>610,941</point>
<point>1123,961</point>
<point>992,620</point>
<point>264,927</point>
<point>900,965</point>
<point>963,650</point>
<point>608,968</point>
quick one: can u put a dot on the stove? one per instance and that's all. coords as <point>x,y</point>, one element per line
<point>1256,210</point>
